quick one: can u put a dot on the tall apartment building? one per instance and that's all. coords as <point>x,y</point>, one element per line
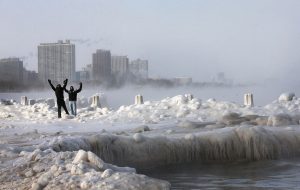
<point>101,65</point>
<point>139,68</point>
<point>119,65</point>
<point>56,61</point>
<point>11,70</point>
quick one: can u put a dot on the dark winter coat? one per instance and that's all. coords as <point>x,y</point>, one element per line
<point>73,94</point>
<point>59,91</point>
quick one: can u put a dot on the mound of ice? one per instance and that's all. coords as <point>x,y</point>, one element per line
<point>288,96</point>
<point>229,143</point>
<point>181,107</point>
<point>193,125</point>
<point>72,170</point>
<point>283,120</point>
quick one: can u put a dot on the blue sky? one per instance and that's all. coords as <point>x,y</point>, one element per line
<point>248,40</point>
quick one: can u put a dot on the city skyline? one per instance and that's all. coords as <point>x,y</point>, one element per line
<point>189,38</point>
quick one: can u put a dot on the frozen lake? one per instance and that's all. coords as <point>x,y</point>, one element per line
<point>263,94</point>
<point>191,143</point>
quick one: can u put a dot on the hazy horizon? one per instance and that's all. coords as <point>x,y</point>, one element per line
<point>251,41</point>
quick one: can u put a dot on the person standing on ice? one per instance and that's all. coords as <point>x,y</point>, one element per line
<point>59,92</point>
<point>73,98</point>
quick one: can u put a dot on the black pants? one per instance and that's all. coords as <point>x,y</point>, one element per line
<point>61,103</point>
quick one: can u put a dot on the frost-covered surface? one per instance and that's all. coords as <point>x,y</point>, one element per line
<point>71,170</point>
<point>38,151</point>
<point>169,109</point>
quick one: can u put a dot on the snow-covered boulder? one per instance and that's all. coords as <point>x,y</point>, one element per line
<point>138,137</point>
<point>233,119</point>
<point>281,120</point>
<point>80,156</point>
<point>96,161</point>
<point>193,124</point>
<point>288,96</point>
<point>141,129</point>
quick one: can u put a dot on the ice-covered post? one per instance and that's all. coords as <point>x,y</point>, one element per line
<point>24,100</point>
<point>96,101</point>
<point>139,99</point>
<point>248,99</point>
<point>31,102</point>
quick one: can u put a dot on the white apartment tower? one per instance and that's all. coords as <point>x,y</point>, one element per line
<point>56,61</point>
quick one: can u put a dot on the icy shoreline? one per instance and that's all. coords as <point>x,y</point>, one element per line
<point>180,129</point>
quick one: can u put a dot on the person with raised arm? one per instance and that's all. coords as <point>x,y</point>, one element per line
<point>59,93</point>
<point>73,98</point>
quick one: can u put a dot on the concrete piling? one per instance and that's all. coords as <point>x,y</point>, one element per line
<point>248,100</point>
<point>139,99</point>
<point>24,101</point>
<point>96,101</point>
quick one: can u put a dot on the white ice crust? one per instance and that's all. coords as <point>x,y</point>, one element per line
<point>176,129</point>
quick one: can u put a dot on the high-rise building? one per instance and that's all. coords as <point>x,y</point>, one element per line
<point>11,70</point>
<point>30,77</point>
<point>56,61</point>
<point>119,65</point>
<point>139,68</point>
<point>101,65</point>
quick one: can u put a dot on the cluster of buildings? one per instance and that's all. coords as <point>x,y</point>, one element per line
<point>56,61</point>
<point>12,73</point>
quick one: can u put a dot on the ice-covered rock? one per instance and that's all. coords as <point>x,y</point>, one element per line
<point>84,185</point>
<point>44,179</point>
<point>281,120</point>
<point>107,173</point>
<point>189,137</point>
<point>193,124</point>
<point>138,137</point>
<point>77,170</point>
<point>141,129</point>
<point>262,120</point>
<point>36,186</point>
<point>96,161</point>
<point>288,96</point>
<point>233,119</point>
<point>80,156</point>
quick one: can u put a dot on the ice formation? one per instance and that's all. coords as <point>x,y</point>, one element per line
<point>229,143</point>
<point>106,145</point>
<point>60,170</point>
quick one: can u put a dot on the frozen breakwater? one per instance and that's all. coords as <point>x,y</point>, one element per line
<point>227,144</point>
<point>102,147</point>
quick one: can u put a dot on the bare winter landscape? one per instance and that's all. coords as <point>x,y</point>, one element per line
<point>149,95</point>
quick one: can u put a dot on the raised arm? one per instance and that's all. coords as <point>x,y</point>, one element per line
<point>51,84</point>
<point>65,89</point>
<point>65,83</point>
<point>80,87</point>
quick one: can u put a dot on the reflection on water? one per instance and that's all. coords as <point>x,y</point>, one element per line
<point>240,175</point>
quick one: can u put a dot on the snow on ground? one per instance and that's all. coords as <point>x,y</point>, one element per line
<point>39,151</point>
